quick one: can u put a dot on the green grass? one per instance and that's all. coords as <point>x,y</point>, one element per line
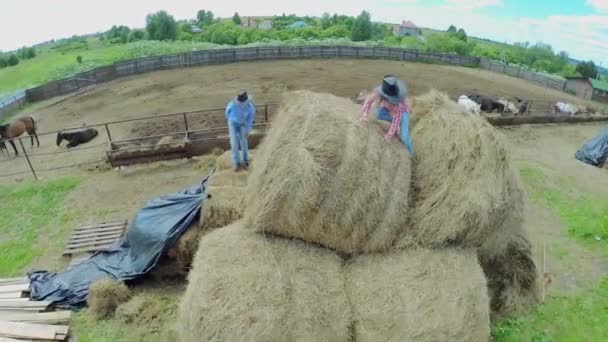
<point>582,317</point>
<point>28,210</point>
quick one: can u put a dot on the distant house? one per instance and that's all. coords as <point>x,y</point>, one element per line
<point>407,28</point>
<point>261,23</point>
<point>587,88</point>
<point>298,24</point>
<point>195,29</point>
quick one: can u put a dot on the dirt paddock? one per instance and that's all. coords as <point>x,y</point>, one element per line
<point>192,89</point>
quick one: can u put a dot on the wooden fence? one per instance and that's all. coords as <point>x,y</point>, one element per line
<point>518,71</point>
<point>222,56</point>
<point>10,103</point>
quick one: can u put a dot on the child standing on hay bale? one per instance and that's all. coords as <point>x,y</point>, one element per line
<point>240,114</point>
<point>395,108</point>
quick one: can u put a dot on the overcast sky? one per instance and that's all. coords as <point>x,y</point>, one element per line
<point>577,26</point>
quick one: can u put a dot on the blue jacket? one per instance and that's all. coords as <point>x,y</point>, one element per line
<point>242,114</point>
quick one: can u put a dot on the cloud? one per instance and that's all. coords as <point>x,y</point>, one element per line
<point>599,5</point>
<point>473,4</point>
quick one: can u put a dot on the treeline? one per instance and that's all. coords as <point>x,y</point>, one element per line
<point>12,59</point>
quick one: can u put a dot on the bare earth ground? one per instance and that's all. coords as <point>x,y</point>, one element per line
<point>174,91</point>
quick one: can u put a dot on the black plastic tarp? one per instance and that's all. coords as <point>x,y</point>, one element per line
<point>595,151</point>
<point>156,227</point>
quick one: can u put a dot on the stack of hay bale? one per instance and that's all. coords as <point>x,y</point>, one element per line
<point>346,238</point>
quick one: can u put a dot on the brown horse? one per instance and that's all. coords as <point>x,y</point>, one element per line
<point>25,124</point>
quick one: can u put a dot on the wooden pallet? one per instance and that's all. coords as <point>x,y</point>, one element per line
<point>22,319</point>
<point>95,237</point>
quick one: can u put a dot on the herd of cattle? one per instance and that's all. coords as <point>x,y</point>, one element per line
<point>476,103</point>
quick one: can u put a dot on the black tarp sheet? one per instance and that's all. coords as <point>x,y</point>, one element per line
<point>155,228</point>
<point>595,151</point>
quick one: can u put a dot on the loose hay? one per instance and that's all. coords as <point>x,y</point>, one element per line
<point>224,162</point>
<point>460,189</point>
<point>418,295</point>
<point>247,287</point>
<point>142,309</point>
<point>228,178</point>
<point>224,206</point>
<point>324,177</point>
<point>105,295</point>
<point>506,258</point>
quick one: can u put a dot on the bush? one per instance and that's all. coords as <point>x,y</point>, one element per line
<point>184,36</point>
<point>12,60</point>
<point>3,62</point>
<point>161,26</point>
<point>79,59</point>
<point>137,35</point>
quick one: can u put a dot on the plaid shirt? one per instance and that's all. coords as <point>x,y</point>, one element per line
<point>394,109</point>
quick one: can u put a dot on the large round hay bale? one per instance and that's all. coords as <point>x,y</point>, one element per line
<point>461,193</point>
<point>506,258</point>
<point>247,287</point>
<point>228,178</point>
<point>323,176</point>
<point>224,206</point>
<point>418,295</point>
<point>105,296</point>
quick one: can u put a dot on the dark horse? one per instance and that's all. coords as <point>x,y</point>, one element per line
<point>77,137</point>
<point>25,124</point>
<point>3,146</point>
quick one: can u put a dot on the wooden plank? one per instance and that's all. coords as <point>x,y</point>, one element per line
<point>87,249</point>
<point>29,330</point>
<point>14,288</point>
<point>16,294</point>
<point>96,242</point>
<point>6,339</point>
<point>13,281</point>
<point>21,305</point>
<point>55,317</point>
<point>102,225</point>
<point>18,299</point>
<point>108,229</point>
<point>103,234</point>
<point>94,239</point>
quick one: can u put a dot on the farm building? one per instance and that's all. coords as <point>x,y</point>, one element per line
<point>257,22</point>
<point>407,28</point>
<point>587,88</point>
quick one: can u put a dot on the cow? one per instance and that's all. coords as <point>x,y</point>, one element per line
<point>509,107</point>
<point>487,104</point>
<point>563,107</point>
<point>469,105</point>
<point>76,137</point>
<point>523,105</point>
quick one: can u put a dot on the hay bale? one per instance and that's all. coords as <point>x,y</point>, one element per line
<point>506,258</point>
<point>228,178</point>
<point>461,193</point>
<point>224,206</point>
<point>247,287</point>
<point>224,161</point>
<point>430,102</point>
<point>418,295</point>
<point>323,176</point>
<point>105,295</point>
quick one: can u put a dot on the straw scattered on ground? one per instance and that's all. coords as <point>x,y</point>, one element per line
<point>105,296</point>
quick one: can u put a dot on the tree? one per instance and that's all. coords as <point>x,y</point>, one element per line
<point>79,59</point>
<point>3,62</point>
<point>12,60</point>
<point>362,27</point>
<point>452,29</point>
<point>379,31</point>
<point>31,53</point>
<point>462,35</point>
<point>200,16</point>
<point>325,21</point>
<point>161,26</point>
<point>236,18</point>
<point>587,69</point>
<point>137,35</point>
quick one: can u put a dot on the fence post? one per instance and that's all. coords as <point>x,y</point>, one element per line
<point>186,122</point>
<point>108,131</point>
<point>266,113</point>
<point>28,159</point>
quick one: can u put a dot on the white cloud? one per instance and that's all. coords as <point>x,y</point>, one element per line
<point>473,4</point>
<point>599,5</point>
